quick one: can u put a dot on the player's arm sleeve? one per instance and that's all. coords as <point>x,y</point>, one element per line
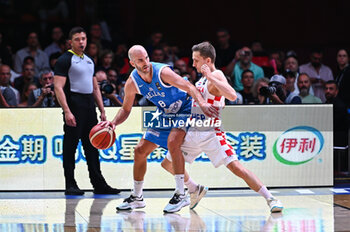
<point>61,73</point>
<point>62,66</point>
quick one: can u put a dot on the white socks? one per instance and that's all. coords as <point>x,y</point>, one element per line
<point>180,185</point>
<point>264,192</point>
<point>191,185</point>
<point>138,187</point>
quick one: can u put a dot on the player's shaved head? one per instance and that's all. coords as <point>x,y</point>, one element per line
<point>139,59</point>
<point>135,50</point>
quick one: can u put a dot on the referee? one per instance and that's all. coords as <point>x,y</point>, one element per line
<point>77,90</point>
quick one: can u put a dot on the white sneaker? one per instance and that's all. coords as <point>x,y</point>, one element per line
<point>132,202</point>
<point>197,195</point>
<point>275,205</point>
<point>176,203</point>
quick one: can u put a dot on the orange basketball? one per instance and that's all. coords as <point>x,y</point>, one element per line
<point>102,137</point>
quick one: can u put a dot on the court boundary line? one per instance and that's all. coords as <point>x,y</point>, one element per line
<point>341,206</point>
<point>171,189</point>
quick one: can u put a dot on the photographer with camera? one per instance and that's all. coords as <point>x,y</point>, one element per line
<point>45,96</point>
<point>109,97</point>
<point>242,62</point>
<point>276,92</point>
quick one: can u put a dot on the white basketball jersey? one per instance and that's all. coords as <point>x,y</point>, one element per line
<point>218,102</point>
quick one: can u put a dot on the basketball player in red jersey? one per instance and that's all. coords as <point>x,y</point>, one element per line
<point>212,141</point>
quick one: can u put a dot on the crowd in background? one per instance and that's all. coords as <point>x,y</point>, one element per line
<point>257,75</point>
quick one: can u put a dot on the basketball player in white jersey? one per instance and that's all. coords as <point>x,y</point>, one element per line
<point>212,141</point>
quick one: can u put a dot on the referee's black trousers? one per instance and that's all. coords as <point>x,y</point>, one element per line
<point>83,108</point>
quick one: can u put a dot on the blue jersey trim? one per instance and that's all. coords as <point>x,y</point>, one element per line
<point>160,78</point>
<point>135,83</point>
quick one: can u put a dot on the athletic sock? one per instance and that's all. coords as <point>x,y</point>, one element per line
<point>191,185</point>
<point>264,192</point>
<point>180,185</point>
<point>138,188</point>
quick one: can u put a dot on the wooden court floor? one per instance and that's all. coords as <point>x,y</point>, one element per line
<point>306,210</point>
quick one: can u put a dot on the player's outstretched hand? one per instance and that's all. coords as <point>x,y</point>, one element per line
<point>107,124</point>
<point>210,110</point>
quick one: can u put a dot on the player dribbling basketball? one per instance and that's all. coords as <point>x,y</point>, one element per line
<point>171,94</point>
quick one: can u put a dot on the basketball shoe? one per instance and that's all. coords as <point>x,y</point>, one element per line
<point>275,205</point>
<point>176,203</point>
<point>131,203</point>
<point>197,195</point>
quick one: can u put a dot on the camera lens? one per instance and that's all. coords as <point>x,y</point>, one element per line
<point>267,90</point>
<point>106,87</point>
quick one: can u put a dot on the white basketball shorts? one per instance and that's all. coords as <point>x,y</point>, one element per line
<point>213,143</point>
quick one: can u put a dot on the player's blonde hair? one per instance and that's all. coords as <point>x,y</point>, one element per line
<point>206,50</point>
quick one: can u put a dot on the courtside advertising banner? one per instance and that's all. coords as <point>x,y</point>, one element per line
<point>284,146</point>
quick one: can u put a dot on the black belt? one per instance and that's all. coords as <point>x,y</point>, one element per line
<point>80,94</point>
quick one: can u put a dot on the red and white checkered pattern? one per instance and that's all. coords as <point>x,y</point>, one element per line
<point>223,142</point>
<point>219,102</point>
<point>213,143</point>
